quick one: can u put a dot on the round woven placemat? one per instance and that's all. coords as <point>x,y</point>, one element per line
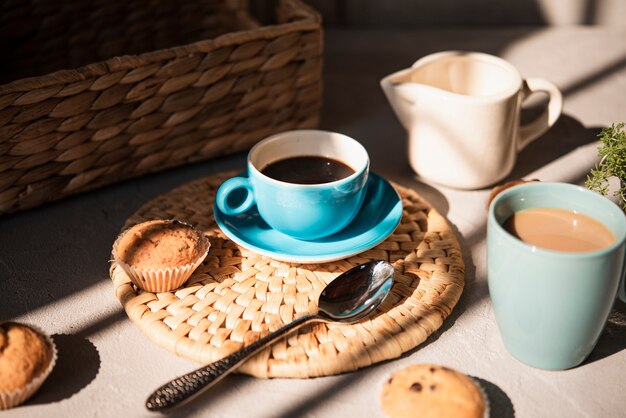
<point>237,296</point>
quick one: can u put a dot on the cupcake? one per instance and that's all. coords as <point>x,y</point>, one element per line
<point>160,255</point>
<point>27,357</point>
<point>428,390</point>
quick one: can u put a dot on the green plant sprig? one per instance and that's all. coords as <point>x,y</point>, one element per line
<point>612,150</point>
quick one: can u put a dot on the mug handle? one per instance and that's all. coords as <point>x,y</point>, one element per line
<point>536,128</point>
<point>229,186</point>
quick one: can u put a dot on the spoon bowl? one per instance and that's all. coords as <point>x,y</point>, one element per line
<point>356,293</point>
<point>350,297</point>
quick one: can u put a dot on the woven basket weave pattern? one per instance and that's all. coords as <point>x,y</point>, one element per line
<point>237,296</point>
<point>43,36</point>
<point>75,130</point>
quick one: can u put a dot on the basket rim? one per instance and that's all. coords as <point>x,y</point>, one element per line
<point>307,19</point>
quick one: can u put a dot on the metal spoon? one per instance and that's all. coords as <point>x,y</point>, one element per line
<point>349,298</point>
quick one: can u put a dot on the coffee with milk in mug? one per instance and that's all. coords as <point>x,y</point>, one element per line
<point>559,230</point>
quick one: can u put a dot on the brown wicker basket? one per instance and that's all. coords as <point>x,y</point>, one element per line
<point>171,83</point>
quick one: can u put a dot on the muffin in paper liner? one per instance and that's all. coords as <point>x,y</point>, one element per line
<point>429,390</point>
<point>12,398</point>
<point>182,250</point>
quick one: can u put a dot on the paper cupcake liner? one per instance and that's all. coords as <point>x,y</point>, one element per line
<point>19,396</point>
<point>165,279</point>
<point>484,395</point>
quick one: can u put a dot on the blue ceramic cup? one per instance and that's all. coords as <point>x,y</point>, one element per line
<point>551,306</point>
<point>302,211</point>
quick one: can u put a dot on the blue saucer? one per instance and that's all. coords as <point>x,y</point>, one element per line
<point>378,218</point>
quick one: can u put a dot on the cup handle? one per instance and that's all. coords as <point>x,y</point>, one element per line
<point>229,186</point>
<point>536,128</point>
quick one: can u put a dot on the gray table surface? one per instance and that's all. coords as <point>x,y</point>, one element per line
<point>54,259</point>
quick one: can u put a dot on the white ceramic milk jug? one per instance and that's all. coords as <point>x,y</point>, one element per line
<point>462,113</point>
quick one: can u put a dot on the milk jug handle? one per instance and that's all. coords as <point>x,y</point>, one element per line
<point>533,130</point>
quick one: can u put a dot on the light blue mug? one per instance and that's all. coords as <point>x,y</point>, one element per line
<point>303,211</point>
<point>552,306</point>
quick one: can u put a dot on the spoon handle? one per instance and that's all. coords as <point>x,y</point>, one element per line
<point>185,387</point>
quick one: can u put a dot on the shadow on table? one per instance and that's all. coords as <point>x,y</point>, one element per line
<point>204,399</point>
<point>500,405</point>
<point>309,406</point>
<point>78,363</point>
<point>564,137</point>
<point>613,338</point>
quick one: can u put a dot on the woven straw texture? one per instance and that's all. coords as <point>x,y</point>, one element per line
<point>151,88</point>
<point>237,296</point>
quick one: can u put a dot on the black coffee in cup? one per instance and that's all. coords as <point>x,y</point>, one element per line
<point>307,170</point>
